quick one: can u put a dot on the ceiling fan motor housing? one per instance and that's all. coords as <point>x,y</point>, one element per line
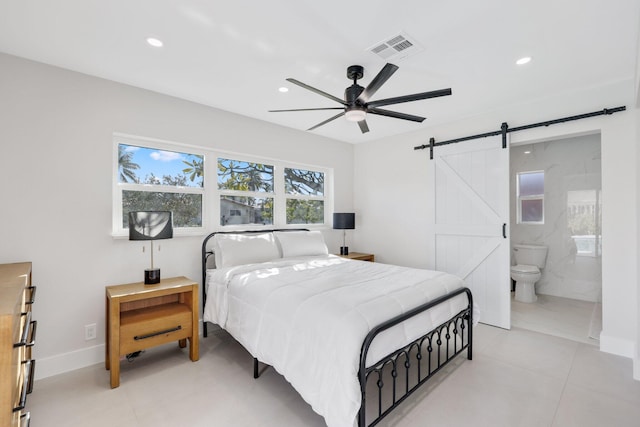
<point>352,93</point>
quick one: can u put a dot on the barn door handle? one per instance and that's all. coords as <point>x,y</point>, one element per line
<point>504,230</point>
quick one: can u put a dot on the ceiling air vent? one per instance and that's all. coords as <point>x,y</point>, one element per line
<point>396,47</point>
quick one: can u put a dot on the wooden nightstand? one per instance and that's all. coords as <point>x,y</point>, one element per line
<point>140,316</point>
<point>359,256</point>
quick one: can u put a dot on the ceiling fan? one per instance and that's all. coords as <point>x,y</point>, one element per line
<point>356,104</point>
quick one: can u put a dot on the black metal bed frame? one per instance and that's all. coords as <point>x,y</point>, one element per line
<point>432,341</point>
<point>410,366</point>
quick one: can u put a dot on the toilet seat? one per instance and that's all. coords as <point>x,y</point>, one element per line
<point>525,269</point>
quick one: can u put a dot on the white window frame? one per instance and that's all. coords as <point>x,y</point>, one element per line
<point>520,199</point>
<point>279,194</point>
<point>211,194</point>
<point>118,187</point>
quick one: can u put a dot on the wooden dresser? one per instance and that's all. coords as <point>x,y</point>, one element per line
<point>17,336</point>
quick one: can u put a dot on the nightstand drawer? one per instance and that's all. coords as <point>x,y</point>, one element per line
<point>151,326</point>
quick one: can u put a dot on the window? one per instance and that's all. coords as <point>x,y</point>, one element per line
<point>584,213</point>
<point>530,192</point>
<point>255,191</point>
<point>305,196</point>
<point>246,192</point>
<point>236,190</point>
<point>150,178</point>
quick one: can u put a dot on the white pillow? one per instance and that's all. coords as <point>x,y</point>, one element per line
<point>301,243</point>
<point>237,249</point>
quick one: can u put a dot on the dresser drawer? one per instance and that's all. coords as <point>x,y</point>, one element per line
<point>148,327</point>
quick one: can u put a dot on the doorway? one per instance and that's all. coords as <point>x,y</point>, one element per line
<point>569,290</point>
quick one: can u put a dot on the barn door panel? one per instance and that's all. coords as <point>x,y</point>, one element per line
<point>471,198</point>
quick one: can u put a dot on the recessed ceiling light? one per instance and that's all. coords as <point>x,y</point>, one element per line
<point>154,42</point>
<point>283,89</point>
<point>527,152</point>
<point>523,60</point>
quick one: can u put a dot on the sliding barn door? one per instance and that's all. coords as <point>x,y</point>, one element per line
<point>471,201</point>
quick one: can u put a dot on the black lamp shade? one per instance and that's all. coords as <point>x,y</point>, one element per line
<point>150,225</point>
<point>344,221</point>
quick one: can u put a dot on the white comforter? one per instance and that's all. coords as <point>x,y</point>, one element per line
<point>307,317</point>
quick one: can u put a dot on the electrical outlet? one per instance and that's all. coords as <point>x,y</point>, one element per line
<point>90,332</point>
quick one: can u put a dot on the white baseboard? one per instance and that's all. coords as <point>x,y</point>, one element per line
<point>617,346</point>
<point>66,362</point>
<point>61,363</point>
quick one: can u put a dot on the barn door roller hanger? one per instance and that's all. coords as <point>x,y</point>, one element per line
<point>504,129</point>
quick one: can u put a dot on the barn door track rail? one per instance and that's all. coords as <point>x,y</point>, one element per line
<point>504,129</point>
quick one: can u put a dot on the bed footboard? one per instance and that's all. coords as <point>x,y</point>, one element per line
<point>408,368</point>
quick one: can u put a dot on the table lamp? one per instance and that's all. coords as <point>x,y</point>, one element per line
<point>150,225</point>
<point>344,221</point>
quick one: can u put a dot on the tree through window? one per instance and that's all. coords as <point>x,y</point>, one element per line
<point>153,179</point>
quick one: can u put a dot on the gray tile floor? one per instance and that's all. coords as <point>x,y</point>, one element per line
<point>563,317</point>
<point>516,378</point>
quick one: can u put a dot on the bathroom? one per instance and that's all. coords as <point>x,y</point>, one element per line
<point>555,189</point>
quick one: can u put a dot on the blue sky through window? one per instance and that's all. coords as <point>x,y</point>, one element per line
<point>161,163</point>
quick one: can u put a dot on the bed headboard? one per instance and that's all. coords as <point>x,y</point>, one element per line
<point>207,252</point>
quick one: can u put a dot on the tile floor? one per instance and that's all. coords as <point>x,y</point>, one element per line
<point>516,378</point>
<point>563,317</point>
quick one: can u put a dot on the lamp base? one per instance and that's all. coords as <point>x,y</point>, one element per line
<point>151,276</point>
<point>344,250</point>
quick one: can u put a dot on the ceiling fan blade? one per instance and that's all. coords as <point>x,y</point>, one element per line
<point>409,98</point>
<point>377,82</point>
<point>396,115</point>
<point>363,126</point>
<point>307,109</point>
<point>327,121</point>
<point>318,91</point>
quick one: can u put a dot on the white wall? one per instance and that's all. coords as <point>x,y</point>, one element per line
<point>389,173</point>
<point>55,166</point>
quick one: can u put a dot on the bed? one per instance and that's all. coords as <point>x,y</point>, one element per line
<point>354,338</point>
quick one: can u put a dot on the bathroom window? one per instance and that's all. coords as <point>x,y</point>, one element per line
<point>530,195</point>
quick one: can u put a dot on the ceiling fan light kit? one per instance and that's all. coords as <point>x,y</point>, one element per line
<point>356,102</point>
<point>355,114</point>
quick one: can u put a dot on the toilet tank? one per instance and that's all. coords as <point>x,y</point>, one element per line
<point>530,255</point>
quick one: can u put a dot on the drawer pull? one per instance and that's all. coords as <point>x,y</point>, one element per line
<point>32,341</point>
<point>154,334</point>
<point>25,387</point>
<point>25,419</point>
<point>32,375</point>
<point>33,295</point>
<point>25,331</point>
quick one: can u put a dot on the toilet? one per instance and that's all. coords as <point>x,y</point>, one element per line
<point>529,260</point>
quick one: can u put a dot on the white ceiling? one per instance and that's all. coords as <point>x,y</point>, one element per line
<point>234,55</point>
